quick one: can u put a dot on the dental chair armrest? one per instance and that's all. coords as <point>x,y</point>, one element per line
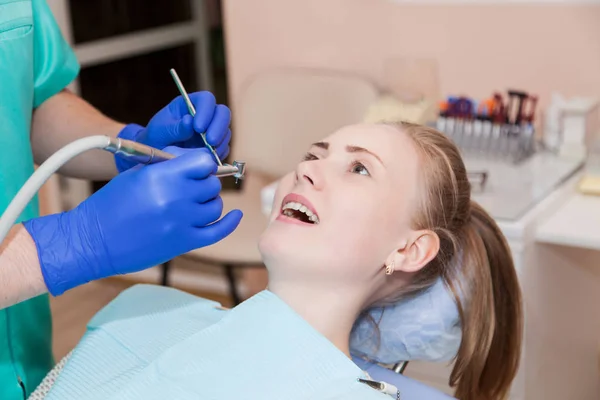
<point>409,388</point>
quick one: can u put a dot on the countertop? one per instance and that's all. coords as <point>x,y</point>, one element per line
<point>576,223</point>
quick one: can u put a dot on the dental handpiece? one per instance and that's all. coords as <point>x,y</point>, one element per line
<point>142,154</point>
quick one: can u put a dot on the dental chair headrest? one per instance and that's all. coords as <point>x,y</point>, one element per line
<point>425,327</point>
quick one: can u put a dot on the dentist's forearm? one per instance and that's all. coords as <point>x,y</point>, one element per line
<point>20,274</point>
<point>65,118</point>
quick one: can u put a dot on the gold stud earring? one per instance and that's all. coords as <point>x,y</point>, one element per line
<point>389,269</point>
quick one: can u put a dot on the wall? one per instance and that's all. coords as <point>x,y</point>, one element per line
<point>479,48</point>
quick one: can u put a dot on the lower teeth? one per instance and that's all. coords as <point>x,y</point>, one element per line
<point>299,215</point>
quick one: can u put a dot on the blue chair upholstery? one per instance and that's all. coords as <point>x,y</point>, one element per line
<point>425,328</point>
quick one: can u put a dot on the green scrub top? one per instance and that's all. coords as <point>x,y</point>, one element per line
<point>35,64</point>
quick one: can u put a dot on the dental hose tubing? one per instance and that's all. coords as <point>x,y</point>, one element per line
<point>42,174</point>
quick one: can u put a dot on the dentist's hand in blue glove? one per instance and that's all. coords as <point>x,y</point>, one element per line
<point>174,126</point>
<point>143,217</point>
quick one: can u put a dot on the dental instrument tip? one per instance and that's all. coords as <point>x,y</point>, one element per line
<point>241,166</point>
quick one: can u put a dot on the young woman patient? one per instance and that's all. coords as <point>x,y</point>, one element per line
<point>372,215</point>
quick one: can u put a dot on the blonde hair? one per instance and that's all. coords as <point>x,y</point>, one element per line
<point>475,263</point>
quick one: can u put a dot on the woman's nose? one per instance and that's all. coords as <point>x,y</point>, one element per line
<point>308,172</point>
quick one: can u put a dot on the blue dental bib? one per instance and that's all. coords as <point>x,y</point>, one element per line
<point>183,347</point>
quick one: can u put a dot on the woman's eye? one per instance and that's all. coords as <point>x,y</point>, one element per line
<point>358,168</point>
<point>309,157</point>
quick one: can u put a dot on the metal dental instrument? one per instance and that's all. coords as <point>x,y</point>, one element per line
<point>192,110</point>
<point>383,387</point>
<point>143,154</point>
<point>238,168</point>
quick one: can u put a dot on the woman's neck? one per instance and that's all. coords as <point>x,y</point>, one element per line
<point>332,311</point>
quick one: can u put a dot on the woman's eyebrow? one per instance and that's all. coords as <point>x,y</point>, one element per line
<point>358,149</point>
<point>321,145</point>
<point>350,149</point>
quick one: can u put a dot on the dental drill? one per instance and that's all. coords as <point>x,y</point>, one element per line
<point>128,149</point>
<point>142,154</point>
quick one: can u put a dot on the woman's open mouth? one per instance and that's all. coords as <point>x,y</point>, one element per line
<point>299,208</point>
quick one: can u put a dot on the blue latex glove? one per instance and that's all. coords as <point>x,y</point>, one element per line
<point>174,126</point>
<point>143,217</point>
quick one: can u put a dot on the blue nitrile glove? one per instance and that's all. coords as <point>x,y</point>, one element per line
<point>174,126</point>
<point>143,217</point>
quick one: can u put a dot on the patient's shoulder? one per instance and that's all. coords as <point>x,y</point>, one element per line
<point>145,303</point>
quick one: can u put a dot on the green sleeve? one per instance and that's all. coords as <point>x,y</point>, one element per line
<point>55,65</point>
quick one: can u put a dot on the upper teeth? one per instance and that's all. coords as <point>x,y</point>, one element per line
<point>302,208</point>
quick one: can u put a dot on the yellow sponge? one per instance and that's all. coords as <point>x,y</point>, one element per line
<point>590,184</point>
<point>389,109</point>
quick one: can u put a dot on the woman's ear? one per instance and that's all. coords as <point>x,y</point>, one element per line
<point>421,247</point>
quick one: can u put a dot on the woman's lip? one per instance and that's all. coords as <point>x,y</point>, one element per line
<point>290,220</point>
<point>297,198</point>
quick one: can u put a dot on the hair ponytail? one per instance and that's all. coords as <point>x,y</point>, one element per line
<point>489,354</point>
<point>474,261</point>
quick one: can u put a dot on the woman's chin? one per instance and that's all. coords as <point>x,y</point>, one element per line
<point>279,246</point>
